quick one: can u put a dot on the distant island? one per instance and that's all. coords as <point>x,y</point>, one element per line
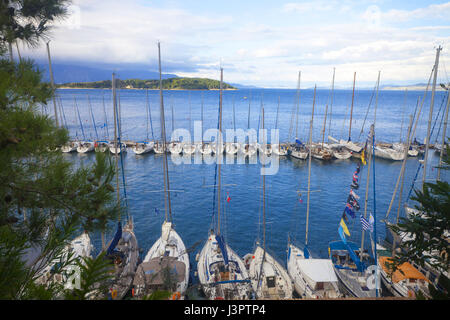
<point>414,87</point>
<point>168,84</point>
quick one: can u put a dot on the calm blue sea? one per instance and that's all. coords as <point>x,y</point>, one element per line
<point>286,198</point>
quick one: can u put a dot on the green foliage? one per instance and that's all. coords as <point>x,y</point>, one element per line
<point>29,20</point>
<point>44,201</point>
<point>429,243</point>
<point>94,276</point>
<point>158,295</point>
<point>172,84</point>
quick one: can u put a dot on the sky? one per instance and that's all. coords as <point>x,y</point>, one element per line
<point>261,43</point>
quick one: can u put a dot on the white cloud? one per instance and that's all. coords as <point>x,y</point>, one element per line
<point>256,50</point>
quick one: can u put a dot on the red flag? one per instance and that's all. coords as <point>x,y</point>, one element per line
<point>228,197</point>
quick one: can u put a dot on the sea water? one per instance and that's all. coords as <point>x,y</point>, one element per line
<point>193,195</point>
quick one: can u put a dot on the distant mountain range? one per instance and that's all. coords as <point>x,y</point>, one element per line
<point>412,87</point>
<point>70,73</point>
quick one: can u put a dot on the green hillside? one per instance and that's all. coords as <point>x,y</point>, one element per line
<point>171,83</point>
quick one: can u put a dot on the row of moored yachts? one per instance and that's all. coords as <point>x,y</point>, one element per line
<point>324,151</point>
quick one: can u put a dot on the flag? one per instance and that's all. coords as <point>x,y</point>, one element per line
<point>228,197</point>
<point>348,209</point>
<point>363,157</point>
<point>354,185</point>
<point>343,230</point>
<point>344,227</point>
<point>366,225</point>
<point>353,194</point>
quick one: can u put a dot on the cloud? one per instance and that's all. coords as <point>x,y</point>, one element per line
<point>265,48</point>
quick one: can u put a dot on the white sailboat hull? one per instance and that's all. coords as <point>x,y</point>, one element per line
<point>81,247</point>
<point>299,154</point>
<point>389,153</point>
<point>70,147</point>
<point>141,148</point>
<point>299,269</point>
<point>248,150</point>
<point>279,149</point>
<point>117,150</point>
<point>274,283</point>
<point>175,148</point>
<point>349,145</point>
<point>233,284</point>
<point>205,149</point>
<point>85,147</point>
<point>158,148</point>
<point>231,147</point>
<point>169,244</point>
<point>189,148</point>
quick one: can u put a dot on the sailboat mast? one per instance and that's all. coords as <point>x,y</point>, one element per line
<point>403,115</point>
<point>234,118</point>
<point>116,154</point>
<point>264,188</point>
<point>351,109</point>
<point>202,119</point>
<point>370,156</point>
<point>167,207</point>
<point>408,143</point>
<point>433,90</point>
<point>217,154</point>
<point>92,117</point>
<point>52,82</point>
<point>309,166</point>
<point>326,112</point>
<point>278,110</point>
<point>331,102</point>
<point>298,103</point>
<point>146,110</point>
<point>104,112</point>
<point>443,135</point>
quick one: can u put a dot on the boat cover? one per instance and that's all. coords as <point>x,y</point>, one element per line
<point>152,272</point>
<point>404,271</point>
<point>318,270</point>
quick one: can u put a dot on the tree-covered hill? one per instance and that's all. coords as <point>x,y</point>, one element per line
<point>171,83</point>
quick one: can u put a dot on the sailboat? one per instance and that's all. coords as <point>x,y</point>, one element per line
<point>166,265</point>
<point>298,150</point>
<point>279,149</point>
<point>142,147</point>
<point>232,148</point>
<point>123,249</point>
<point>82,146</point>
<point>221,272</point>
<point>71,146</point>
<point>117,147</point>
<point>80,247</point>
<point>349,144</point>
<point>313,278</point>
<point>351,263</point>
<point>269,278</point>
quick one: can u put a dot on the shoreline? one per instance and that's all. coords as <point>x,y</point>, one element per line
<point>66,88</point>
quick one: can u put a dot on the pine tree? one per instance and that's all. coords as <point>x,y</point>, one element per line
<point>44,201</point>
<point>429,232</point>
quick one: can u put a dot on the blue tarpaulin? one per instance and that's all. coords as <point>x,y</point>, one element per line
<point>223,248</point>
<point>115,240</point>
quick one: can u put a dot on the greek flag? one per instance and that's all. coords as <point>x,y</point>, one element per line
<point>366,225</point>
